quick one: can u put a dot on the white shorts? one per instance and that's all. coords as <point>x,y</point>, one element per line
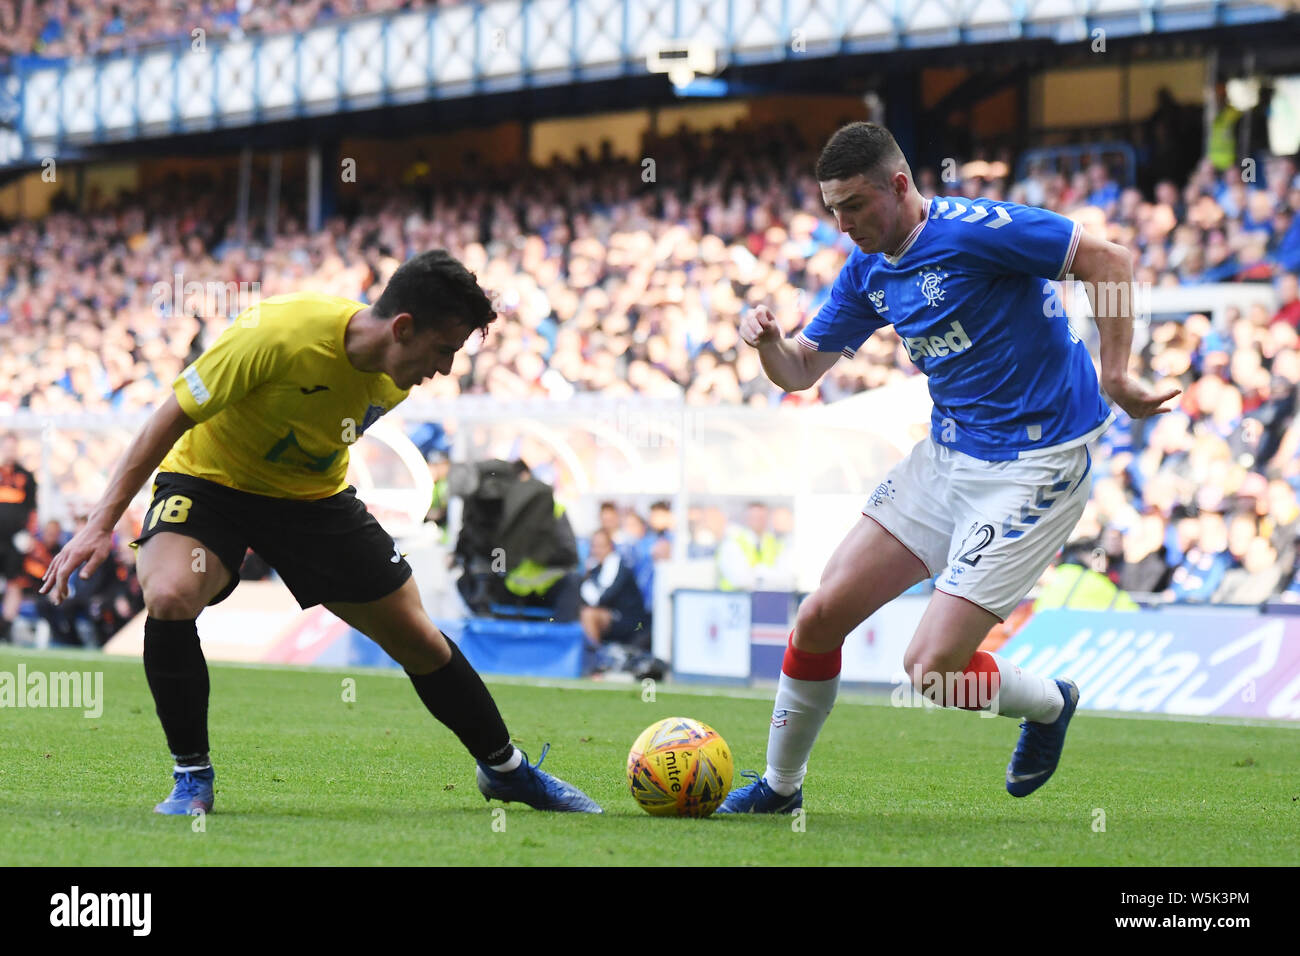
<point>988,529</point>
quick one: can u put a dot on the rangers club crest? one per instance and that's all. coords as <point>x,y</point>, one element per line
<point>883,490</point>
<point>930,286</point>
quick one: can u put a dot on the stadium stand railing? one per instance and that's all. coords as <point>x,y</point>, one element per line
<point>356,64</point>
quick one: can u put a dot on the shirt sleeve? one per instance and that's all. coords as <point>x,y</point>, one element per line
<point>846,319</point>
<point>250,352</point>
<point>1004,238</point>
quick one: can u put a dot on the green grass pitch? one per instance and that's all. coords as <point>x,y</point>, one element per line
<point>305,778</point>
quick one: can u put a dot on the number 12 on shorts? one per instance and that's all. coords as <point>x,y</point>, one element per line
<point>984,535</point>
<point>174,509</point>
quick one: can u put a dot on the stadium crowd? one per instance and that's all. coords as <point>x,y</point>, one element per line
<point>610,284</point>
<point>58,29</point>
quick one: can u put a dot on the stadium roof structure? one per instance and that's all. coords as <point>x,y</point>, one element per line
<point>474,49</point>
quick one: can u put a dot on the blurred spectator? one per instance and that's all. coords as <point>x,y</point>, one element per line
<point>661,530</point>
<point>637,546</point>
<point>439,468</point>
<point>1181,535</point>
<point>707,527</point>
<point>1201,572</point>
<point>1259,436</point>
<point>1279,514</point>
<point>783,528</point>
<point>611,522</point>
<point>1081,581</point>
<point>1103,191</point>
<point>657,546</point>
<point>67,621</point>
<point>612,611</point>
<point>634,534</point>
<point>17,518</point>
<point>1256,580</point>
<point>751,557</point>
<point>1242,530</point>
<point>1142,569</point>
<point>1288,296</point>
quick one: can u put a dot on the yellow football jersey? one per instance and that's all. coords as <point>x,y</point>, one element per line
<point>277,402</point>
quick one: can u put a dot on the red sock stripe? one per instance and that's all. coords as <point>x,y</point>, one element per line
<point>805,665</point>
<point>984,679</point>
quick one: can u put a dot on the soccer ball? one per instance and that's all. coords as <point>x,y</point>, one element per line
<point>679,767</point>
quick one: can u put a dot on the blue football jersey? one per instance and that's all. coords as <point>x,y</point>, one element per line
<point>971,296</point>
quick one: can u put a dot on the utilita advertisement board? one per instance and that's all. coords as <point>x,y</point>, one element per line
<point>1198,663</point>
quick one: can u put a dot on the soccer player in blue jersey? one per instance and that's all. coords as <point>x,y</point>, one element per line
<point>987,499</point>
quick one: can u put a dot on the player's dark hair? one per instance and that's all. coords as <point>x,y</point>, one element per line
<point>866,149</point>
<point>435,288</point>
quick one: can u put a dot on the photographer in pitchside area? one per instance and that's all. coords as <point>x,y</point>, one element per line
<point>516,547</point>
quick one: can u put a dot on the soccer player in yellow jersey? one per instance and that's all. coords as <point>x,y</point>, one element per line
<point>252,452</point>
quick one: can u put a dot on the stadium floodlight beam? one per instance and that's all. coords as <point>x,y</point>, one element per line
<point>682,60</point>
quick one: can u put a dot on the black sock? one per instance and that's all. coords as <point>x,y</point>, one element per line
<point>178,677</point>
<point>456,696</point>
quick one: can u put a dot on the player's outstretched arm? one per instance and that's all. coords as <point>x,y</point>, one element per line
<point>788,364</point>
<point>92,544</point>
<point>1106,270</point>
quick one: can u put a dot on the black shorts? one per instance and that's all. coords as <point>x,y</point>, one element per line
<point>11,559</point>
<point>329,549</point>
<point>628,631</point>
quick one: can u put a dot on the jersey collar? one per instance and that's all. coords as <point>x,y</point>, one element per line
<point>912,236</point>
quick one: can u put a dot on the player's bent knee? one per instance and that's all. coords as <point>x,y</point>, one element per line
<point>820,625</point>
<point>925,666</point>
<point>916,666</point>
<point>172,600</point>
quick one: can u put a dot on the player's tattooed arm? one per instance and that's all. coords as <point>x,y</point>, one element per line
<point>1106,269</point>
<point>92,544</point>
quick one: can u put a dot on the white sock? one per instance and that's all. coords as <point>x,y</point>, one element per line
<point>515,759</point>
<point>1026,696</point>
<point>801,708</point>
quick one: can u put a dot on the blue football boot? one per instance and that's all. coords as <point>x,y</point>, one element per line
<point>1039,749</point>
<point>192,794</point>
<point>537,788</point>
<point>758,797</point>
